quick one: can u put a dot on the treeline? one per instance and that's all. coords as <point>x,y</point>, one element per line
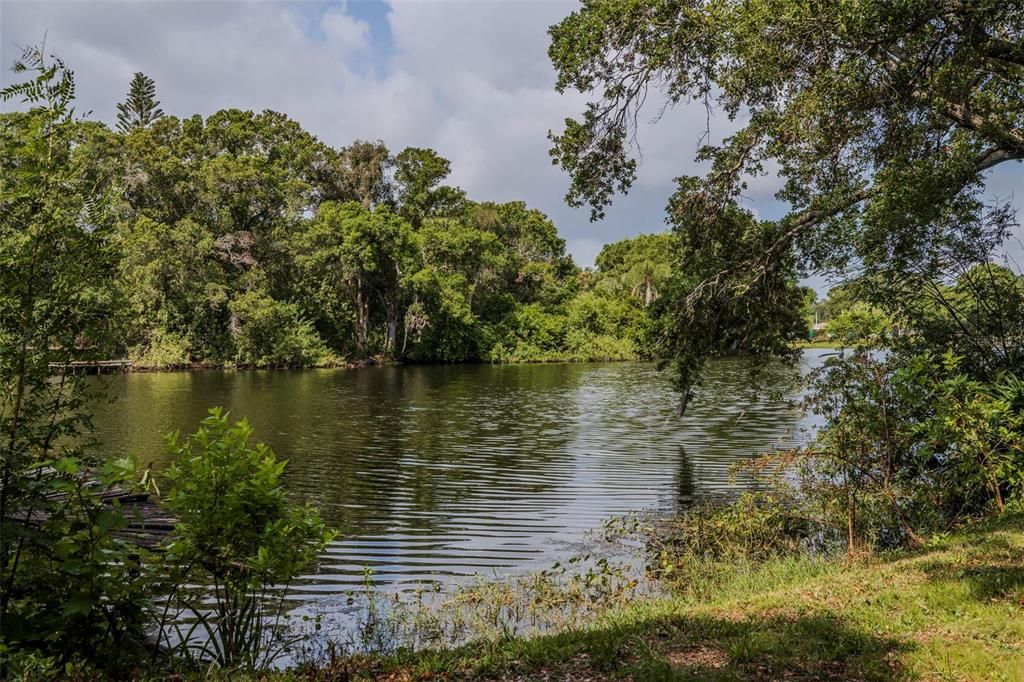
<point>241,239</point>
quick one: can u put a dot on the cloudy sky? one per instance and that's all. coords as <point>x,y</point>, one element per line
<point>470,78</point>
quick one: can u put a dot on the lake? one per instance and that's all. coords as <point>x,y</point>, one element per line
<point>435,473</point>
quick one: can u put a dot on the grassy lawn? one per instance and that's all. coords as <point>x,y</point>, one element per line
<point>954,611</point>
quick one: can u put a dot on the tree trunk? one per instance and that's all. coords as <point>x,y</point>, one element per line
<point>362,317</point>
<point>392,341</point>
<point>851,545</point>
<point>998,495</point>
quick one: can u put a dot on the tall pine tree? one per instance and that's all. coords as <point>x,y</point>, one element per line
<point>141,108</point>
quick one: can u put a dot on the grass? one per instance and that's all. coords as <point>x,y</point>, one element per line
<point>818,344</point>
<point>954,611</point>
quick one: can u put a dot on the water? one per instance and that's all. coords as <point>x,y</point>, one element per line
<point>436,473</point>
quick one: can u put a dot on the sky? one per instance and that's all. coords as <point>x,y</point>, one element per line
<point>468,78</point>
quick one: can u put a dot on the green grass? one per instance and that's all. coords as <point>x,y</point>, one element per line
<point>950,612</point>
<point>818,344</point>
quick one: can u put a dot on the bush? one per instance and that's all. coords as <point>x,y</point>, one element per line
<point>440,325</point>
<point>860,322</point>
<point>909,445</point>
<point>238,539</point>
<point>585,346</point>
<point>75,592</point>
<point>271,333</point>
<point>165,350</point>
<point>708,546</point>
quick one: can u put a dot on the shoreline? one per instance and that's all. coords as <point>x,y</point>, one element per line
<point>127,367</point>
<point>951,608</point>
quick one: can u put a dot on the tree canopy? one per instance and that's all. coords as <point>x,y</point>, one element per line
<point>880,120</point>
<point>241,239</point>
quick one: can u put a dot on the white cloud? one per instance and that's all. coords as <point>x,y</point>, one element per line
<point>470,79</point>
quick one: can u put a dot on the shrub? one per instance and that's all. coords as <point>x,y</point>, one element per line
<point>165,350</point>
<point>75,592</point>
<point>860,322</point>
<point>239,539</point>
<point>909,445</point>
<point>585,346</point>
<point>272,333</point>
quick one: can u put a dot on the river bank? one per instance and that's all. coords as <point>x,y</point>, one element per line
<point>129,366</point>
<point>950,611</point>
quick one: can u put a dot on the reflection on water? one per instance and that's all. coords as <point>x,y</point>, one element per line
<point>437,472</point>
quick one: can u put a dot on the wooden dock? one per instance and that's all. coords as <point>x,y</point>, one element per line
<point>148,524</point>
<point>91,366</point>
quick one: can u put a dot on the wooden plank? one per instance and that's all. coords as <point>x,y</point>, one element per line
<point>148,524</point>
<point>96,365</point>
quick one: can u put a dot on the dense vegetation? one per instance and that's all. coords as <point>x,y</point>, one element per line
<point>77,593</point>
<point>238,239</point>
<point>241,239</point>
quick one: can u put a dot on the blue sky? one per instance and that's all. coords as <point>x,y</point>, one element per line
<point>470,78</point>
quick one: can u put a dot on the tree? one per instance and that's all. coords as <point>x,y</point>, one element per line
<point>639,266</point>
<point>979,315</point>
<point>359,255</point>
<point>141,108</point>
<point>880,120</point>
<point>858,323</point>
<point>418,176</point>
<point>70,590</point>
<point>212,207</point>
<point>362,174</point>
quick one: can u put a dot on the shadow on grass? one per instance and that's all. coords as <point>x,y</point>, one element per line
<point>673,648</point>
<point>993,570</point>
<point>987,581</point>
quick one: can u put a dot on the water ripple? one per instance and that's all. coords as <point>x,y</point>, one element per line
<point>434,474</point>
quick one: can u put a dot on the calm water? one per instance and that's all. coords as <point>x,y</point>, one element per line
<point>432,473</point>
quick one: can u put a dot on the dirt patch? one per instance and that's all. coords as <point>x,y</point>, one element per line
<point>700,656</point>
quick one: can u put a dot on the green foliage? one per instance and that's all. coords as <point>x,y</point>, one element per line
<point>238,540</point>
<point>164,350</point>
<point>71,591</point>
<point>270,333</point>
<point>909,445</point>
<point>602,327</point>
<point>705,548</point>
<point>174,291</point>
<point>979,315</point>
<point>418,175</point>
<point>141,109</point>
<point>440,325</point>
<point>859,322</point>
<point>880,119</point>
<point>639,267</point>
<point>533,335</point>
<point>711,308</point>
<point>240,239</point>
<point>362,174</point>
<point>79,593</point>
